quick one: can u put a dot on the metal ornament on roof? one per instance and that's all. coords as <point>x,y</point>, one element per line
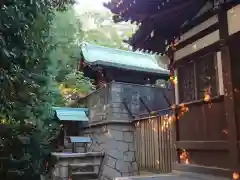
<point>164,59</point>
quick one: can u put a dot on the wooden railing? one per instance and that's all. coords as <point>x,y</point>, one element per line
<point>153,142</point>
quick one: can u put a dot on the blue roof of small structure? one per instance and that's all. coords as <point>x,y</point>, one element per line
<point>71,114</point>
<point>138,61</point>
<point>79,139</point>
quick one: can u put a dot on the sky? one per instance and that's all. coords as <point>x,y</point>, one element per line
<point>91,5</point>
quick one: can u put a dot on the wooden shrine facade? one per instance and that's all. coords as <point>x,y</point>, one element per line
<point>205,59</point>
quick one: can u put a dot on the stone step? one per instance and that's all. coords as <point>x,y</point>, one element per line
<point>88,166</point>
<point>79,165</point>
<point>60,155</point>
<point>84,175</point>
<point>68,150</point>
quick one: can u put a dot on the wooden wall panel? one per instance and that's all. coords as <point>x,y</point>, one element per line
<point>197,45</point>
<point>198,28</point>
<point>233,17</point>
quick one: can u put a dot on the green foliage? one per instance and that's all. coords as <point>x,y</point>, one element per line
<point>100,29</point>
<point>67,34</point>
<point>77,81</point>
<point>27,86</point>
<point>38,51</point>
<point>66,55</point>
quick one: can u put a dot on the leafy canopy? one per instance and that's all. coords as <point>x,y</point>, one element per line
<point>27,86</point>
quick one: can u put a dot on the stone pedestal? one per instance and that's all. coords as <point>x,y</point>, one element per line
<point>63,161</point>
<point>117,141</point>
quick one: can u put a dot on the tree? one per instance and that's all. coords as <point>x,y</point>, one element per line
<point>99,29</point>
<point>66,55</point>
<point>27,89</point>
<point>66,37</point>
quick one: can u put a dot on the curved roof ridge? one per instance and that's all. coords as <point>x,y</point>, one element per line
<point>116,49</point>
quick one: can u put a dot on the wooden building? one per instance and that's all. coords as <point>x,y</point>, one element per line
<point>126,83</point>
<point>202,39</point>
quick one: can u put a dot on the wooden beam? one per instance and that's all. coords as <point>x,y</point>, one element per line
<point>203,170</point>
<point>202,145</point>
<point>198,36</point>
<point>165,12</point>
<point>228,92</point>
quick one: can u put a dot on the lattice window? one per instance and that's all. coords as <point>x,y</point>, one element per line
<point>197,77</point>
<point>186,85</point>
<point>206,75</point>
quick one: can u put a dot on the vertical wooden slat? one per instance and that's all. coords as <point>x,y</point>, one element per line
<point>169,149</point>
<point>161,145</point>
<point>148,145</point>
<point>154,148</point>
<point>137,142</point>
<point>140,144</point>
<point>152,143</point>
<point>145,147</point>
<point>156,157</point>
<point>164,147</point>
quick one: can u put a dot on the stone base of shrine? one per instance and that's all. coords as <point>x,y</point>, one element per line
<point>116,139</point>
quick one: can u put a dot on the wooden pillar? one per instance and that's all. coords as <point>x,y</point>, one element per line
<point>228,92</point>
<point>175,101</point>
<point>74,147</point>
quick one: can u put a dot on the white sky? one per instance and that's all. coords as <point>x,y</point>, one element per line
<point>91,4</point>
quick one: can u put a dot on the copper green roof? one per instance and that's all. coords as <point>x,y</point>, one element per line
<point>79,139</point>
<point>71,114</point>
<point>99,55</point>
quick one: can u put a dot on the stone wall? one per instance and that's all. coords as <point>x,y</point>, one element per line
<point>117,141</point>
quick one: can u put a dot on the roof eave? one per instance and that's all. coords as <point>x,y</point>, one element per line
<point>155,71</point>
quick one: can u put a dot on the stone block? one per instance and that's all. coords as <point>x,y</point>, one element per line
<point>62,163</point>
<point>120,145</point>
<point>134,167</point>
<point>122,166</point>
<point>123,128</point>
<point>128,136</point>
<point>131,147</point>
<point>115,153</point>
<point>126,174</point>
<point>105,178</point>
<point>63,171</point>
<point>117,135</point>
<point>110,172</point>
<point>135,173</point>
<point>129,156</point>
<point>111,162</point>
<point>97,147</point>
